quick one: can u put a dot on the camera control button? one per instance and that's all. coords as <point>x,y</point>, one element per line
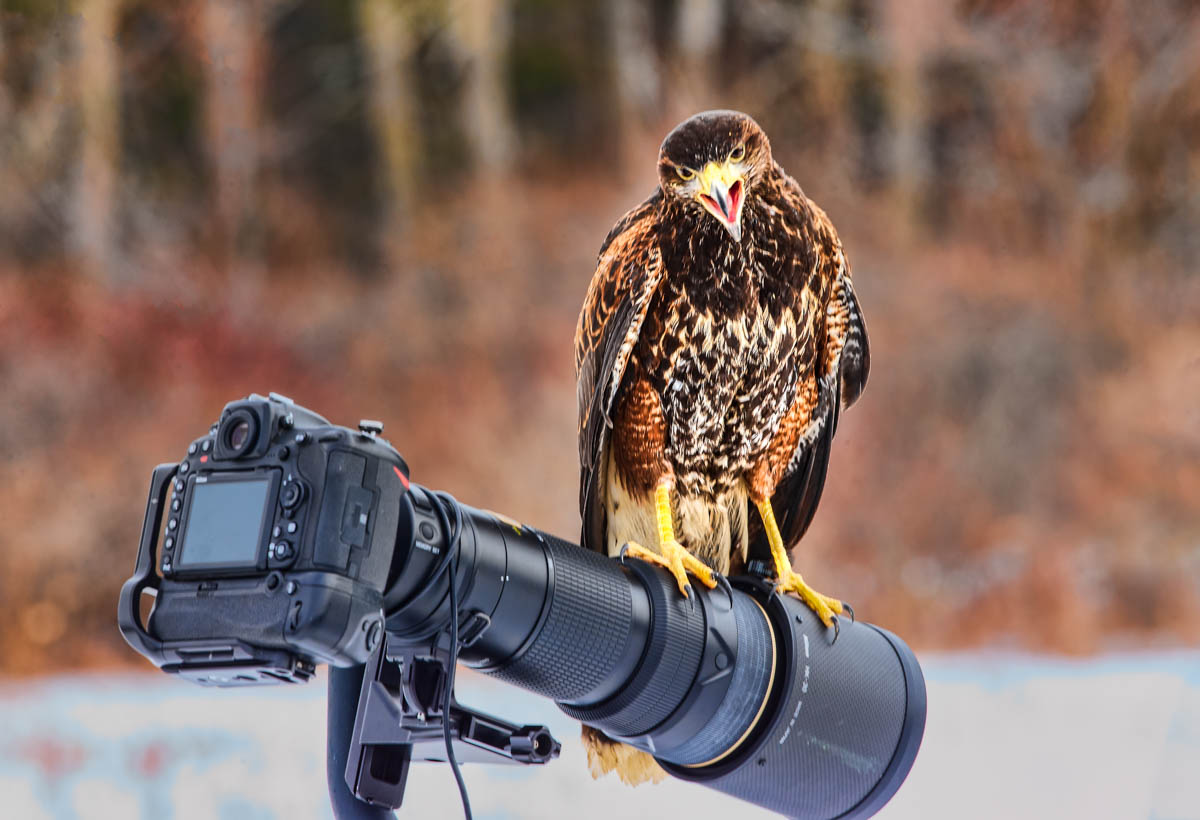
<point>206,445</point>
<point>283,550</point>
<point>291,494</point>
<point>179,485</point>
<point>192,449</point>
<point>175,504</point>
<point>276,532</point>
<point>427,531</point>
<point>173,524</point>
<point>168,543</point>
<point>373,631</point>
<point>184,467</point>
<point>292,526</point>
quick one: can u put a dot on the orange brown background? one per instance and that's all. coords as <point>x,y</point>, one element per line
<point>391,209</point>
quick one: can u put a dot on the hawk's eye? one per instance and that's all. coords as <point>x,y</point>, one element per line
<point>737,154</point>
<point>684,173</point>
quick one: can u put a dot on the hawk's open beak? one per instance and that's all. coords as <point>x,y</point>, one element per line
<point>720,192</point>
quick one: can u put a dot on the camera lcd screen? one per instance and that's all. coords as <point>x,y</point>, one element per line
<point>225,523</point>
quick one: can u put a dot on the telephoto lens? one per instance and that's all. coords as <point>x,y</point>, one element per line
<point>735,688</point>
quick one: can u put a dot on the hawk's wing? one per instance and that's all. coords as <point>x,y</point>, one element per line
<point>843,363</point>
<point>848,360</point>
<point>627,273</point>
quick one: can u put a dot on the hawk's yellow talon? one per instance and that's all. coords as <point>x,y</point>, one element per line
<point>789,579</point>
<point>677,561</point>
<point>823,605</point>
<point>672,555</point>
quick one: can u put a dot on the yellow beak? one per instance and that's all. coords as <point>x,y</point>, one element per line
<point>720,191</point>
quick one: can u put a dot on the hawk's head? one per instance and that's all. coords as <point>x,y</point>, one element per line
<point>713,161</point>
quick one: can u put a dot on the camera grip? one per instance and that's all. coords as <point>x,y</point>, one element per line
<point>129,618</point>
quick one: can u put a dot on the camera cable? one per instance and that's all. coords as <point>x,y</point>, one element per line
<point>450,561</point>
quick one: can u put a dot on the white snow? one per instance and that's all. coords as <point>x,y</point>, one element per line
<point>1008,736</point>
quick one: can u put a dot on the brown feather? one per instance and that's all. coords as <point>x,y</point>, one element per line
<point>639,439</point>
<point>632,766</point>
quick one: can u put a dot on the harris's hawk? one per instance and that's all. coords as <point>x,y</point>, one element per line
<point>719,340</point>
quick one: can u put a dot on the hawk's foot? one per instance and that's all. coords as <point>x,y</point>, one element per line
<point>825,607</point>
<point>676,560</point>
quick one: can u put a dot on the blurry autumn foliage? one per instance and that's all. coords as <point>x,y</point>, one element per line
<point>391,208</point>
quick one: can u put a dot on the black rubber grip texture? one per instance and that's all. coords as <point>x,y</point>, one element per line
<point>667,670</point>
<point>586,630</point>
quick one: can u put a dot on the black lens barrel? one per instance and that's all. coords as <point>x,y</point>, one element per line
<point>738,689</point>
<point>841,729</point>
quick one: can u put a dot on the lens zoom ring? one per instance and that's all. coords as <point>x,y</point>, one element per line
<point>668,668</point>
<point>586,629</point>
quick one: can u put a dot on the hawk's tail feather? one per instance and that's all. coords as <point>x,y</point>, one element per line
<point>633,766</point>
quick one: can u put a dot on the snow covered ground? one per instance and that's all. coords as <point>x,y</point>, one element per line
<point>1008,736</point>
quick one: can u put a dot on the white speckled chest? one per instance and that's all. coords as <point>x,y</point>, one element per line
<point>725,363</point>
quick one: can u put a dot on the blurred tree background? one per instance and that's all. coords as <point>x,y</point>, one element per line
<point>391,208</point>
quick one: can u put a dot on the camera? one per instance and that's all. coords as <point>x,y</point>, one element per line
<point>282,541</point>
<point>276,542</point>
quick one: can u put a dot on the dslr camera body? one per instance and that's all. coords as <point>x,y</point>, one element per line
<point>277,532</point>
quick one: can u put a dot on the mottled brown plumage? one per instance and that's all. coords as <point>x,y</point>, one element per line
<point>719,340</point>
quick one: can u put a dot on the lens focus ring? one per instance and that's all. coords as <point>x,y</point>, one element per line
<point>667,670</point>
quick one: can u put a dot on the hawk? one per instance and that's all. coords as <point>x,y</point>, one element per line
<point>718,342</point>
